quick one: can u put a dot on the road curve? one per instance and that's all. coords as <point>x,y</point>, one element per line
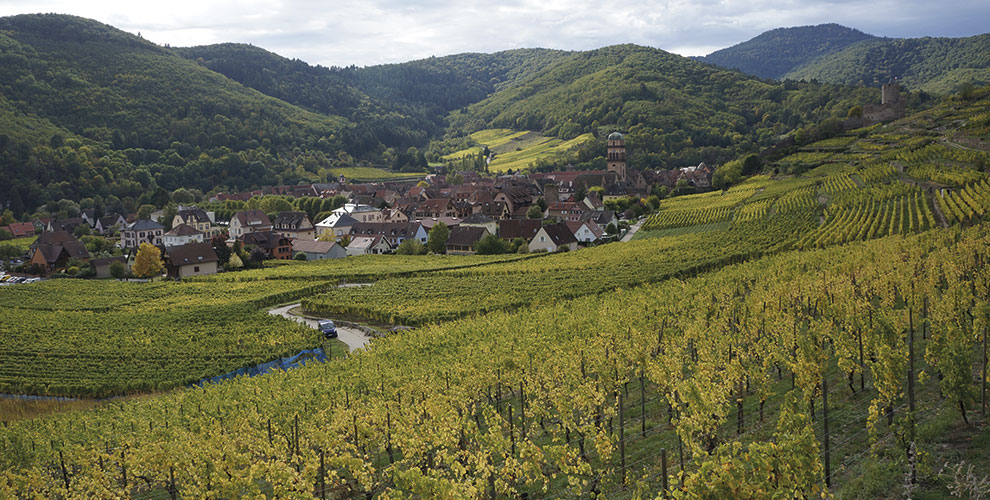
<point>354,339</point>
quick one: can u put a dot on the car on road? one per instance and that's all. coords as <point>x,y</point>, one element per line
<point>328,328</point>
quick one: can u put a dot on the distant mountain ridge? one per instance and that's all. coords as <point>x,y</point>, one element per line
<point>837,54</point>
<point>777,52</point>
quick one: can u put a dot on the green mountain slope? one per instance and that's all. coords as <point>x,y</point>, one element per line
<point>91,111</point>
<point>676,111</point>
<point>93,79</point>
<point>777,52</point>
<point>936,65</point>
<point>395,105</point>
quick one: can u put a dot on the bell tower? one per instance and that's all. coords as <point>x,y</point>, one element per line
<point>617,155</point>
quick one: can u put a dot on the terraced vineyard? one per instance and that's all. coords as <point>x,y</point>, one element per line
<point>898,178</point>
<point>518,150</point>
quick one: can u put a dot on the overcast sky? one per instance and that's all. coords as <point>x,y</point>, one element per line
<point>381,31</point>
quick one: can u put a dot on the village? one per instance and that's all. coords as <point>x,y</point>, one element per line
<point>458,214</point>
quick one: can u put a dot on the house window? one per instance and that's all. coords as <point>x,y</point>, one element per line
<point>543,239</point>
<point>195,269</point>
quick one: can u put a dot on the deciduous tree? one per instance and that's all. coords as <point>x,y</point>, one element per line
<point>148,262</point>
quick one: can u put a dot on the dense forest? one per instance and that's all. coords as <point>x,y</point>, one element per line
<point>775,53</point>
<point>936,65</point>
<point>391,106</point>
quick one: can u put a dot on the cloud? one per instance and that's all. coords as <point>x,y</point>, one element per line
<point>382,31</point>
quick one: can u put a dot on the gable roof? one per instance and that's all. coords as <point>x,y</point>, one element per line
<point>52,243</point>
<point>559,234</point>
<point>338,220</point>
<point>143,225</point>
<point>196,214</point>
<point>518,228</point>
<point>252,218</point>
<point>67,224</point>
<point>109,220</point>
<point>575,226</point>
<point>368,241</point>
<point>183,230</point>
<point>292,219</point>
<point>312,246</point>
<point>21,229</point>
<point>265,239</point>
<point>465,236</point>
<point>191,253</point>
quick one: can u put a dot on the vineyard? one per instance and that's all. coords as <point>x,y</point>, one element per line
<point>844,339</point>
<point>103,338</point>
<point>455,293</point>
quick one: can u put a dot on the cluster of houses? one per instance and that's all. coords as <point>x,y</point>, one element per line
<point>548,211</point>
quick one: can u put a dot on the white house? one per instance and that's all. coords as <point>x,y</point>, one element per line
<point>585,231</point>
<point>181,235</point>
<point>249,221</point>
<point>552,237</point>
<point>368,245</point>
<point>337,225</point>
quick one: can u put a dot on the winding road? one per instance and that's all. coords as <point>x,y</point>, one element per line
<point>354,339</point>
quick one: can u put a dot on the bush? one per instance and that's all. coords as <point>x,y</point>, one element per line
<point>489,244</point>
<point>411,246</point>
<point>300,256</point>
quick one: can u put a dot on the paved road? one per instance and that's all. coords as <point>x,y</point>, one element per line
<point>632,230</point>
<point>353,338</point>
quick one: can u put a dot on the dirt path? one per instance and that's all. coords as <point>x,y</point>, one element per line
<point>939,216</point>
<point>354,339</point>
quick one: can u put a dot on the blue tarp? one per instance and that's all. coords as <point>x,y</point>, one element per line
<point>284,364</point>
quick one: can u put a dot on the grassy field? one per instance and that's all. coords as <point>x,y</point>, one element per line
<point>518,150</point>
<point>373,174</point>
<point>21,243</point>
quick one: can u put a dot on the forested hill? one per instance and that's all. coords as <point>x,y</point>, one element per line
<point>394,105</point>
<point>103,84</point>
<point>676,111</point>
<point>937,65</point>
<point>89,111</point>
<point>777,52</point>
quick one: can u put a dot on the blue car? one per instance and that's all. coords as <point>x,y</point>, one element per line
<point>328,328</point>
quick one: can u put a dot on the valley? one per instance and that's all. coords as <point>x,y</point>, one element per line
<point>612,273</point>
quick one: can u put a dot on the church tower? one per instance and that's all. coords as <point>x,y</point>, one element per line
<point>617,155</point>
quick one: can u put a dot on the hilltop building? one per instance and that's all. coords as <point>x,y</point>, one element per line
<point>891,104</point>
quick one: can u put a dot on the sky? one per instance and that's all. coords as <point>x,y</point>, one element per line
<point>368,32</point>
